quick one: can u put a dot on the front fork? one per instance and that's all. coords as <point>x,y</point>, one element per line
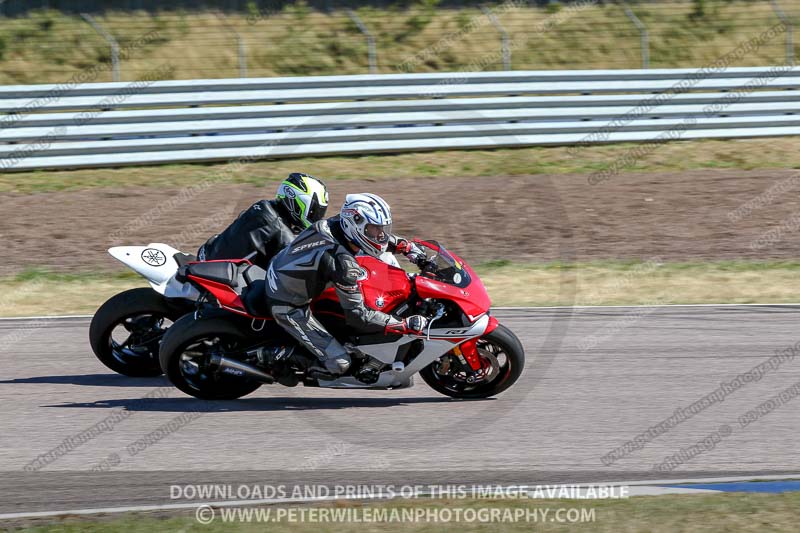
<point>467,351</point>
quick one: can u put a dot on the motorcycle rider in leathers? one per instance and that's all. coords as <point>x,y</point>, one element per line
<point>324,254</point>
<point>268,226</point>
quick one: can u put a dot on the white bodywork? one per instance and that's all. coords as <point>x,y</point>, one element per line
<point>386,257</point>
<point>155,262</point>
<point>435,347</point>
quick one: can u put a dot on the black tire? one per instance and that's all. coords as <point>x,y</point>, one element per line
<point>507,375</point>
<point>190,335</point>
<point>133,310</point>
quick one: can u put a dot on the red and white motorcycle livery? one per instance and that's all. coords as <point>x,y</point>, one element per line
<point>127,329</point>
<point>230,347</point>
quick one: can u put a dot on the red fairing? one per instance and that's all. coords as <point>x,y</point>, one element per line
<point>384,286</point>
<point>226,296</point>
<point>493,323</point>
<point>472,299</point>
<point>223,293</point>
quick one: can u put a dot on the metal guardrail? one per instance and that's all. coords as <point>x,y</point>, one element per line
<point>112,124</point>
<point>375,80</point>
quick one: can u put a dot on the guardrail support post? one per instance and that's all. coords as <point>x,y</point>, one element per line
<point>242,49</point>
<point>373,54</point>
<point>789,31</point>
<point>242,57</point>
<point>505,48</point>
<point>644,37</point>
<point>110,40</point>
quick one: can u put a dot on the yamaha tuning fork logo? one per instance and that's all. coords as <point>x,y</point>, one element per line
<point>154,257</point>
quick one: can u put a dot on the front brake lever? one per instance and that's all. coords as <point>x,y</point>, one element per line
<point>439,314</point>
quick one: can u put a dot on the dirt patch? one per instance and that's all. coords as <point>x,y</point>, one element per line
<point>685,216</point>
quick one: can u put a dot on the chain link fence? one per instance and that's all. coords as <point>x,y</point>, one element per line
<point>46,41</point>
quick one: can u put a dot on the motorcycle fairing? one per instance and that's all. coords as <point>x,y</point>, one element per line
<point>156,263</point>
<point>441,341</point>
<point>473,298</point>
<point>238,285</point>
<point>384,286</point>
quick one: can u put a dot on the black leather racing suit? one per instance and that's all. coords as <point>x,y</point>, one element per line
<point>317,258</point>
<point>262,228</point>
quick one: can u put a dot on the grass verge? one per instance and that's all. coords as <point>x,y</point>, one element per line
<point>637,283</point>
<point>599,283</point>
<point>744,154</point>
<point>42,293</point>
<point>49,46</point>
<point>697,513</point>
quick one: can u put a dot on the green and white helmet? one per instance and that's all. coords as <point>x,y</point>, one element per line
<point>304,197</point>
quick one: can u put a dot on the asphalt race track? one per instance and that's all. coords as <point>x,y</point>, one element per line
<point>595,378</point>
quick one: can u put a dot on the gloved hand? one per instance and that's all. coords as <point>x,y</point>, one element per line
<point>403,246</point>
<point>412,325</point>
<point>414,253</point>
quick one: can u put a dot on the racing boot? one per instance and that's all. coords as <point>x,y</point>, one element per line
<point>337,365</point>
<point>333,365</point>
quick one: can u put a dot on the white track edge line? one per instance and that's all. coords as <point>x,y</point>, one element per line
<point>274,501</point>
<point>665,306</point>
<point>50,317</point>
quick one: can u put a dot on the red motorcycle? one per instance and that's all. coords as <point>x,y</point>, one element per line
<point>218,352</point>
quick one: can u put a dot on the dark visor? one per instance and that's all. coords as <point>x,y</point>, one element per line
<point>315,210</point>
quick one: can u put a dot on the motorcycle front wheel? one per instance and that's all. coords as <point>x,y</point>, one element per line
<point>502,358</point>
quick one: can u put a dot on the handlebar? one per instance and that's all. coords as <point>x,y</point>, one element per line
<point>425,265</point>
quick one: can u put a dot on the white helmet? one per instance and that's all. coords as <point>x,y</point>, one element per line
<point>367,222</point>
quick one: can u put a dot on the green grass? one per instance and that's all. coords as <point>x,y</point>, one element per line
<point>38,292</point>
<point>746,154</point>
<point>47,46</point>
<point>638,283</point>
<point>43,275</point>
<point>659,514</point>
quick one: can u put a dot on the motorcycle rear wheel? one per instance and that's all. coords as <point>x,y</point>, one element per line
<point>504,356</point>
<point>186,349</point>
<point>142,316</point>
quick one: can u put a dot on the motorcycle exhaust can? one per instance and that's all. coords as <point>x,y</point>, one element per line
<point>239,369</point>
